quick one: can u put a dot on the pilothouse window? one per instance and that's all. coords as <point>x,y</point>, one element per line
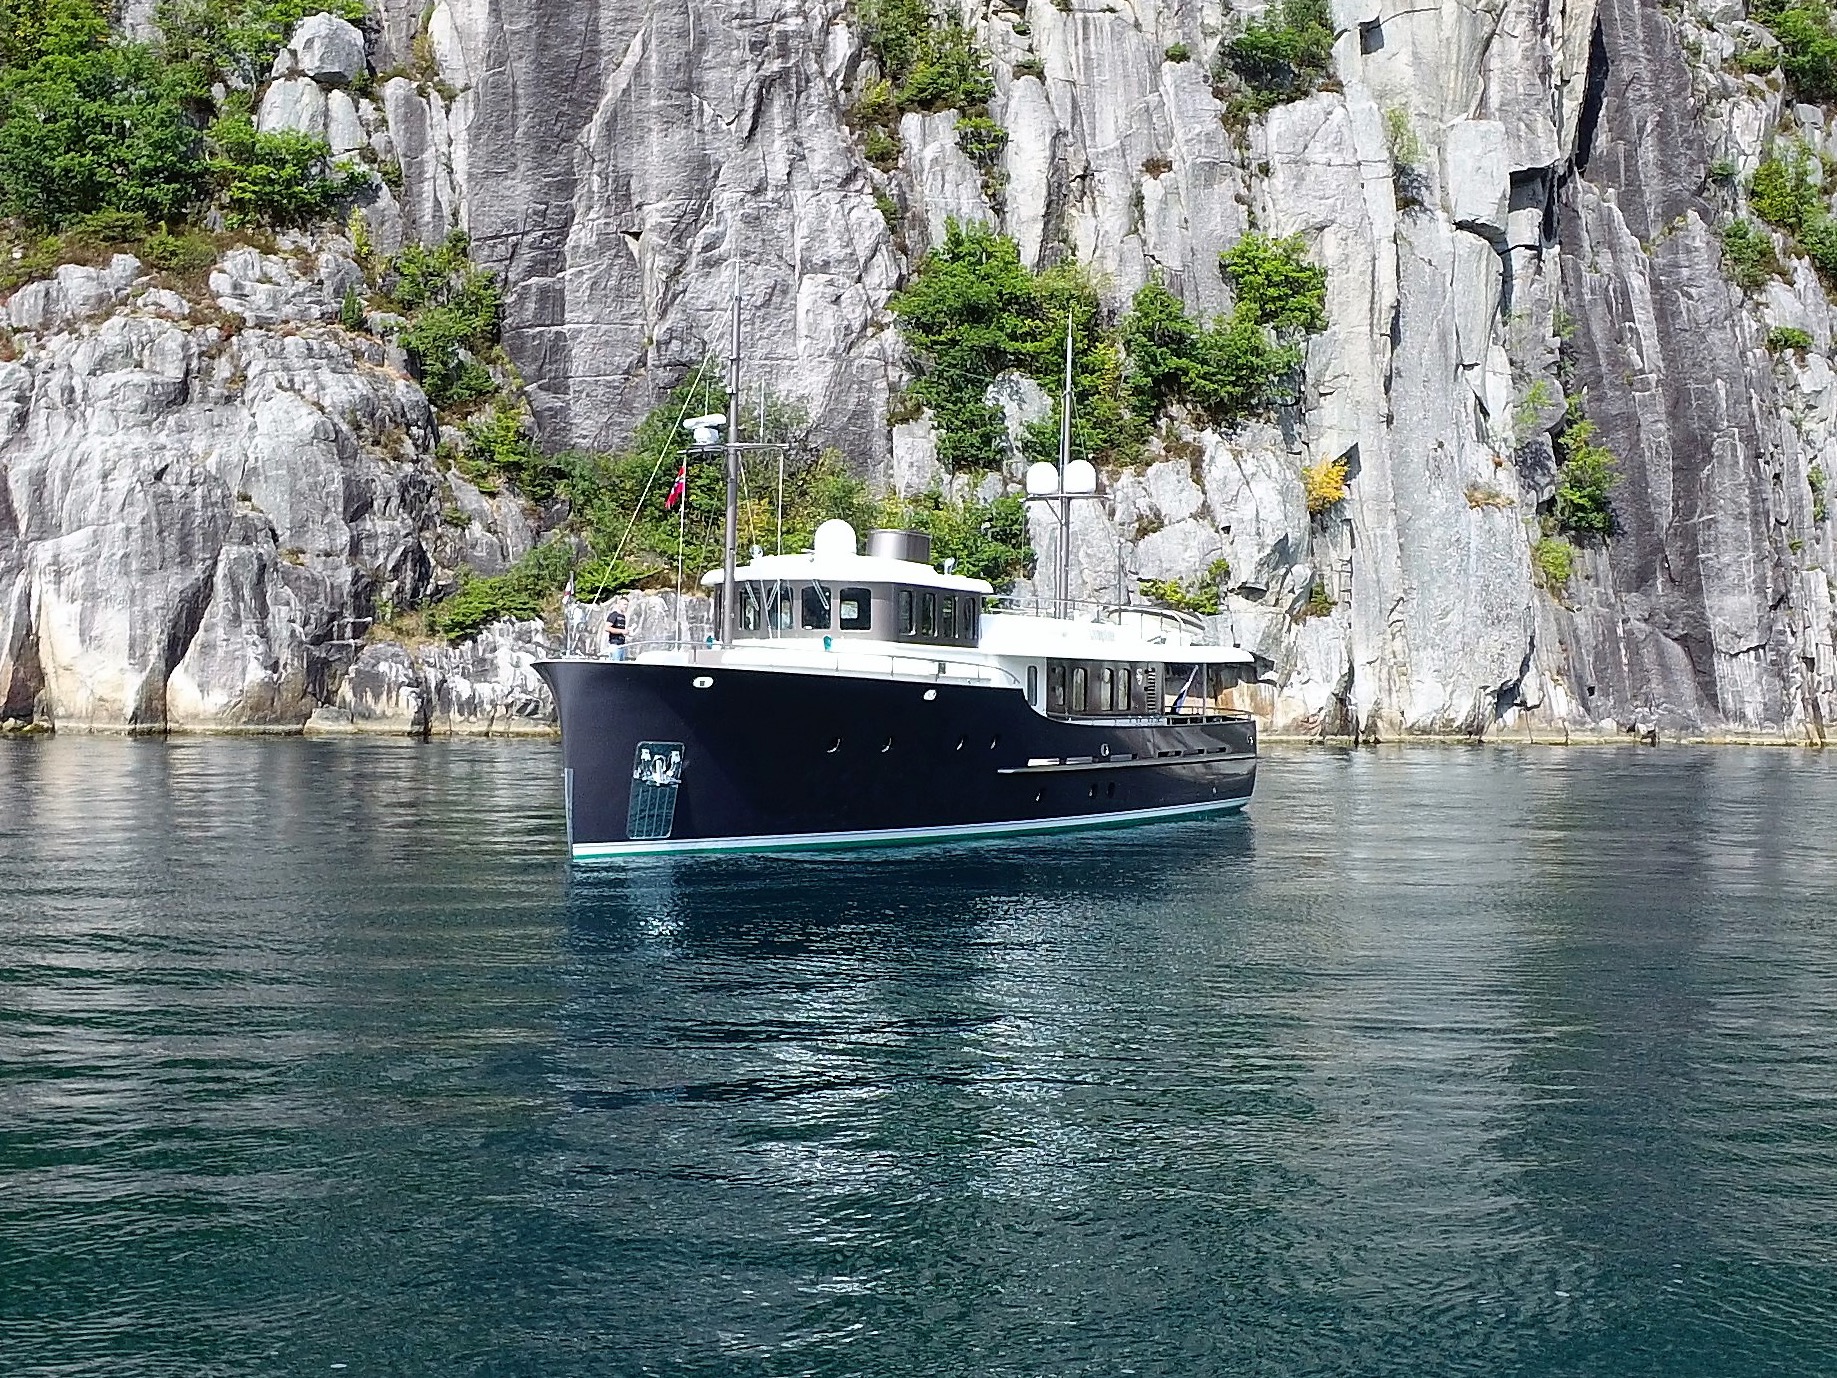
<point>857,611</point>
<point>947,619</point>
<point>971,612</point>
<point>907,623</point>
<point>779,608</point>
<point>816,607</point>
<point>928,614</point>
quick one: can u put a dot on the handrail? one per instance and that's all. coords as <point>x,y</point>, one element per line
<point>1088,610</point>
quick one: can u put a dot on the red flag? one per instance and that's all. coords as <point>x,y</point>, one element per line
<point>678,488</point>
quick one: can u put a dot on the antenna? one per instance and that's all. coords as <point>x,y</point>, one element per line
<point>729,546</point>
<point>1065,459</point>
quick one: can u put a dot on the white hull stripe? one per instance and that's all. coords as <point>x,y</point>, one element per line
<point>794,842</point>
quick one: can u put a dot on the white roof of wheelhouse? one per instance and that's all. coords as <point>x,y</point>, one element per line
<point>847,569</point>
<point>836,561</point>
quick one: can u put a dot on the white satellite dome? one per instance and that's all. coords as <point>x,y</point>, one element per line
<point>834,537</point>
<point>1042,479</point>
<point>1081,476</point>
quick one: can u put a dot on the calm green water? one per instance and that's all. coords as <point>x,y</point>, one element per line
<point>1439,1062</point>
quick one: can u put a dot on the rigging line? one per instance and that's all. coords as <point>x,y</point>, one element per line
<point>663,454</point>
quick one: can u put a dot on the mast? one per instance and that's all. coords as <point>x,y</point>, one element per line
<point>731,544</point>
<point>1065,458</point>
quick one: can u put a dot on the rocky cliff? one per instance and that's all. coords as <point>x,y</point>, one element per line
<point>1514,203</point>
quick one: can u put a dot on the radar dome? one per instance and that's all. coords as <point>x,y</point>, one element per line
<point>834,537</point>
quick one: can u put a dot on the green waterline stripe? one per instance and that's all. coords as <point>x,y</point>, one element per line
<point>895,837</point>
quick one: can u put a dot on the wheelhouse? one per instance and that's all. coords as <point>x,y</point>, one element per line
<point>832,594</point>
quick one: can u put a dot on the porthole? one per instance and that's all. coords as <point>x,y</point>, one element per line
<point>994,742</point>
<point>703,681</point>
<point>1038,795</point>
<point>834,746</point>
<point>1093,789</point>
<point>1109,790</point>
<point>962,742</point>
<point>931,696</point>
<point>888,747</point>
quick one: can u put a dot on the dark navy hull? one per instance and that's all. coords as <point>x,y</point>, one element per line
<point>663,758</point>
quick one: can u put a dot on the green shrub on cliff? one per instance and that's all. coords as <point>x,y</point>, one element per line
<point>518,593</point>
<point>283,178</point>
<point>926,65</point>
<point>973,312</point>
<point>1747,253</point>
<point>1285,55</point>
<point>453,309</point>
<point>236,40</point>
<point>1274,279</point>
<point>1554,560</point>
<point>1808,47</point>
<point>1584,481</point>
<point>33,29</point>
<point>1245,362</point>
<point>88,127</point>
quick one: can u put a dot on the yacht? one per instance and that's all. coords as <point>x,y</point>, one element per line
<point>871,698</point>
<point>868,698</point>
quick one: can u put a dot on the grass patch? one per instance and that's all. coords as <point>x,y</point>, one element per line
<point>1554,560</point>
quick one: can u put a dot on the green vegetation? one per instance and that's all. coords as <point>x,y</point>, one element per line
<point>1584,480</point>
<point>925,65</point>
<point>619,512</point>
<point>1284,56</point>
<point>1319,602</point>
<point>88,126</point>
<point>1274,279</point>
<point>1808,47</point>
<point>284,178</point>
<point>102,134</point>
<point>973,312</point>
<point>1243,363</point>
<point>987,540</point>
<point>453,309</point>
<point>982,139</point>
<point>236,40</point>
<point>1539,395</point>
<point>1201,598</point>
<point>1226,372</point>
<point>499,444</point>
<point>1407,157</point>
<point>517,593</point>
<point>1747,252</point>
<point>1788,191</point>
<point>1814,478</point>
<point>1177,52</point>
<point>1554,559</point>
<point>1784,189</point>
<point>1784,338</point>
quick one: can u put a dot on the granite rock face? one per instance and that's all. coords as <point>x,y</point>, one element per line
<point>200,519</point>
<point>682,148</point>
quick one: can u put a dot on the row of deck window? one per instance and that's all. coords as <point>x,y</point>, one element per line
<point>916,614</point>
<point>1099,688</point>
